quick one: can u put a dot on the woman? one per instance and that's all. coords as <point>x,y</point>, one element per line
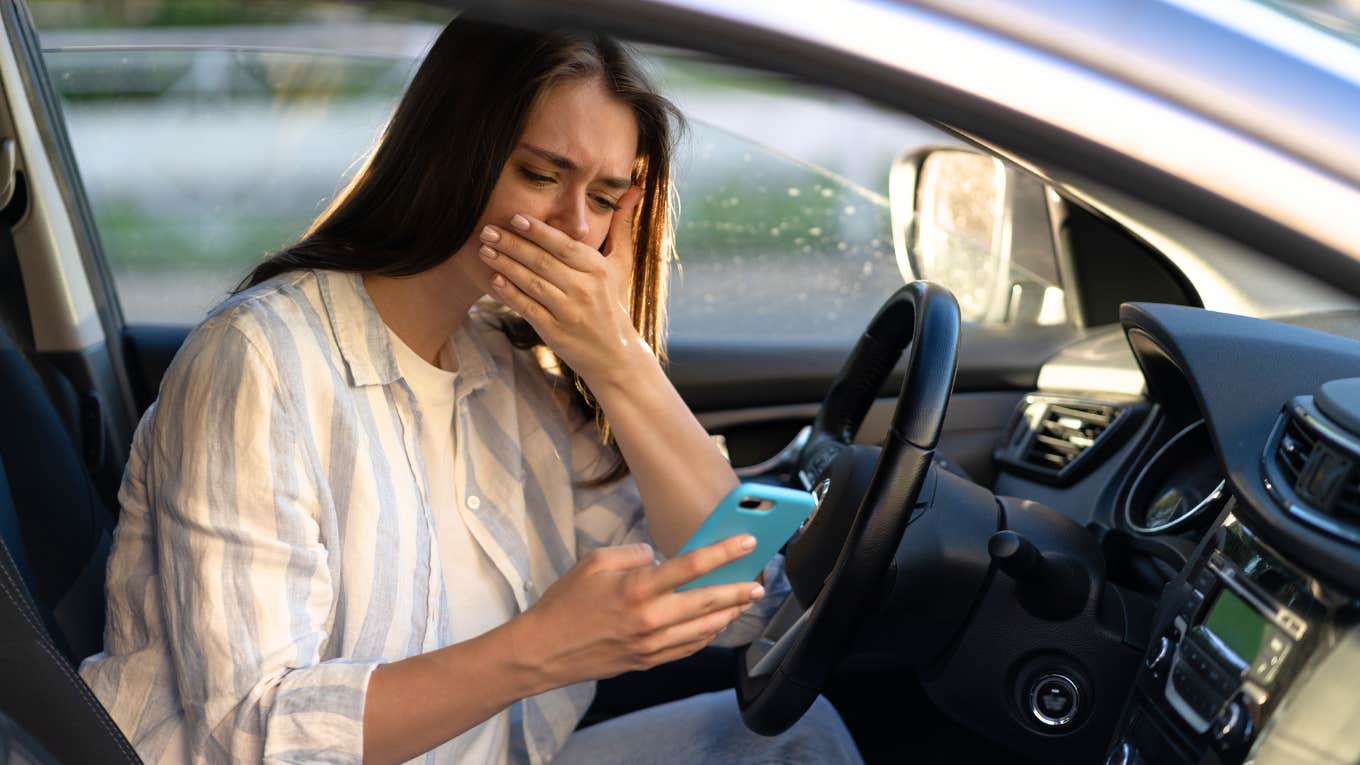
<point>373,515</point>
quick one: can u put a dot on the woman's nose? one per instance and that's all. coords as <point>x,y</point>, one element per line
<point>569,216</point>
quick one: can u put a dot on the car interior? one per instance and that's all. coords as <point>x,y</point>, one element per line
<point>1132,529</point>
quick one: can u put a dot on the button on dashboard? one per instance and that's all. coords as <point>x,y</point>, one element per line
<point>1054,700</point>
<point>1268,662</point>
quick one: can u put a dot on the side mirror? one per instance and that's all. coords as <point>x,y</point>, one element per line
<point>982,229</point>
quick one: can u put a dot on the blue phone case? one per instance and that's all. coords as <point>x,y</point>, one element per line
<point>735,514</point>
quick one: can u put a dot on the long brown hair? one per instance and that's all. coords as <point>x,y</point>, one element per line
<point>416,199</point>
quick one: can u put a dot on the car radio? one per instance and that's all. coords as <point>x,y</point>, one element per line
<point>1234,641</point>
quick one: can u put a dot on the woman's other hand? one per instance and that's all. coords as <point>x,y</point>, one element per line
<point>575,296</point>
<point>617,610</point>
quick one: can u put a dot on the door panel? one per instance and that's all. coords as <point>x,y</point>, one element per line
<point>715,375</point>
<point>758,397</point>
<point>971,427</point>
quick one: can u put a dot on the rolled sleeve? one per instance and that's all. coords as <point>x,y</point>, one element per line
<point>247,592</point>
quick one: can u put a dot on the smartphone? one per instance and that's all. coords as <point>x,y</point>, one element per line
<point>769,513</point>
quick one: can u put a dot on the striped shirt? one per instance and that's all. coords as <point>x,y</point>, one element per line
<point>276,541</point>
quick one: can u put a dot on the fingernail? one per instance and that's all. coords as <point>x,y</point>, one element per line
<point>520,222</point>
<point>498,280</point>
<point>748,542</point>
<point>487,252</point>
<point>490,234</point>
<point>757,592</point>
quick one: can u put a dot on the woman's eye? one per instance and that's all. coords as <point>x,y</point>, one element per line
<point>532,177</point>
<point>606,202</point>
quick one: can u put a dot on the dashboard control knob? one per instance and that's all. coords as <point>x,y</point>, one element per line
<point>1232,728</point>
<point>1054,700</point>
<point>1159,658</point>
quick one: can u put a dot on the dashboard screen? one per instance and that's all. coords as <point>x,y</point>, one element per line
<point>1239,626</point>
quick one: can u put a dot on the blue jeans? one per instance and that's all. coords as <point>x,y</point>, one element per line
<point>708,729</point>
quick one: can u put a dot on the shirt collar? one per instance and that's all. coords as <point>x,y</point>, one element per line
<point>476,364</point>
<point>366,346</point>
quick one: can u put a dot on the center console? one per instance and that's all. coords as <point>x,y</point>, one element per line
<point>1232,635</point>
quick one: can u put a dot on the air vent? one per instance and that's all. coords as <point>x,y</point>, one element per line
<point>1296,446</point>
<point>1316,469</point>
<point>1065,431</point>
<point>1055,438</point>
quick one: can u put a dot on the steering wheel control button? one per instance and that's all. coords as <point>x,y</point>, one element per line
<point>1054,700</point>
<point>819,495</point>
<point>818,463</point>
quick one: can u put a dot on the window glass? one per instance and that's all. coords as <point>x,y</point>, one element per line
<point>785,230</point>
<point>774,248</point>
<point>198,162</point>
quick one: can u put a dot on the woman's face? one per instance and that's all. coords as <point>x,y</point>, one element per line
<point>573,162</point>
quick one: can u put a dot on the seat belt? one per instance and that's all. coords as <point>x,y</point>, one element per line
<point>40,691</point>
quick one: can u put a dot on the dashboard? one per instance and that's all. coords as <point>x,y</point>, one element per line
<point>1216,460</point>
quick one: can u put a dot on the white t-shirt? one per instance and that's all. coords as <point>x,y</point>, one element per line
<point>479,598</point>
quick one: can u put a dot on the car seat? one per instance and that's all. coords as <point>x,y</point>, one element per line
<point>54,544</point>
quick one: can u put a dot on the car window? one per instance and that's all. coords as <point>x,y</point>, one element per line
<point>772,248</point>
<point>197,162</point>
<point>200,160</point>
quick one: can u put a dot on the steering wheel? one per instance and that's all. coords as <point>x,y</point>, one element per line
<point>838,559</point>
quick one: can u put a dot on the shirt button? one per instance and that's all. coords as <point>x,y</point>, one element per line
<point>473,502</point>
<point>528,585</point>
